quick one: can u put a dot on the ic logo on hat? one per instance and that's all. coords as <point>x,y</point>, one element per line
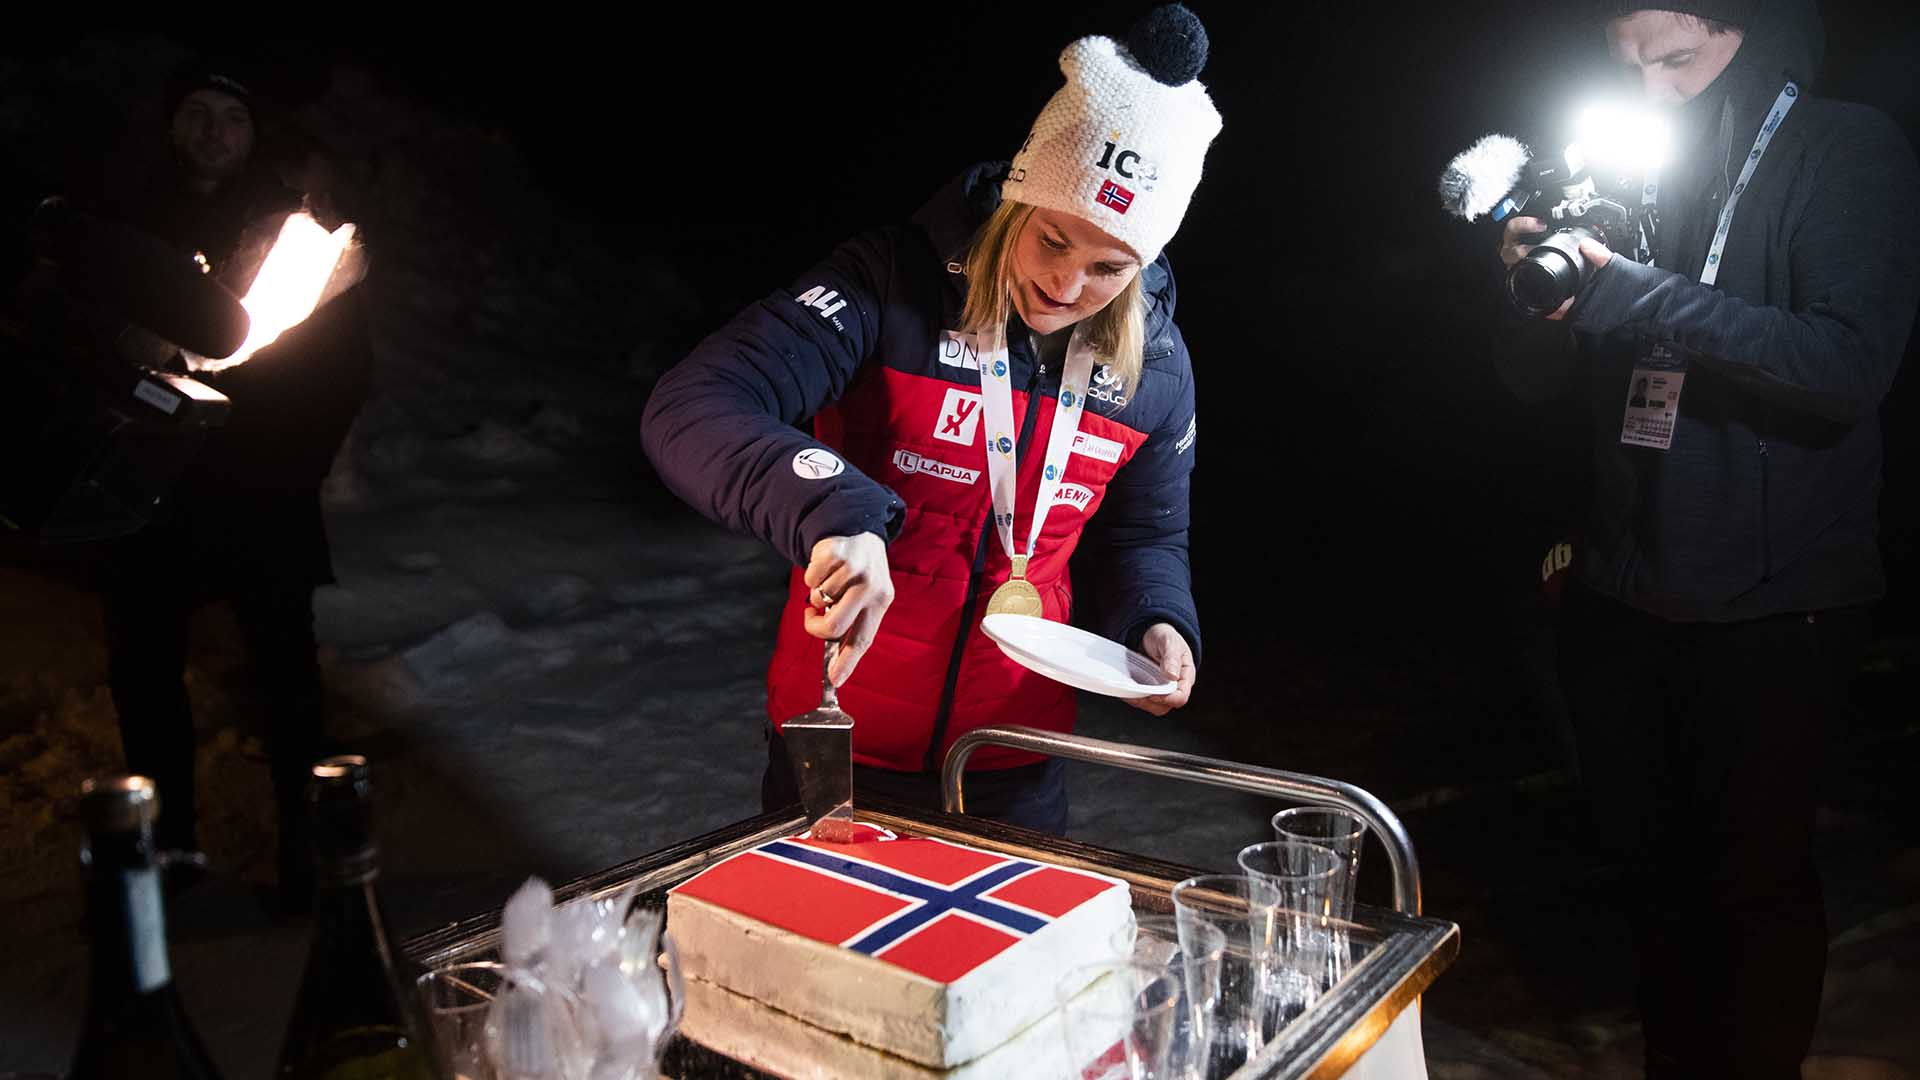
<point>1128,164</point>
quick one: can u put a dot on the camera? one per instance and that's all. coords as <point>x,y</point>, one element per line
<point>1578,203</point>
<point>100,419</point>
<point>1601,187</point>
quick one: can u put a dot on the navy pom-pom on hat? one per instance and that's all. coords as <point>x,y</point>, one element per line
<point>1169,43</point>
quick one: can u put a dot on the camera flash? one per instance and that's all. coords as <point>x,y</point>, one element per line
<point>1623,138</point>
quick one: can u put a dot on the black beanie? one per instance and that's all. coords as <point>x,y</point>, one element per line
<point>201,73</point>
<point>1738,13</point>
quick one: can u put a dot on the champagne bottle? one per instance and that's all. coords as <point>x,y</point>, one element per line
<point>134,1025</point>
<point>356,1016</point>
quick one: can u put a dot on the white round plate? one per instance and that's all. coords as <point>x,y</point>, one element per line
<point>1070,655</point>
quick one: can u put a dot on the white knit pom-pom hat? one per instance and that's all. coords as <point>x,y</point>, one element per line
<point>1122,143</point>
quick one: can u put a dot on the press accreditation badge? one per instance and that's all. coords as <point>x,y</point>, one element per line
<point>1653,399</point>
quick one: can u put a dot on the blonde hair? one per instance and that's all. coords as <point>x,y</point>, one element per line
<point>1118,332</point>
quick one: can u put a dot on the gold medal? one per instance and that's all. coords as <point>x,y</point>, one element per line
<point>1017,596</point>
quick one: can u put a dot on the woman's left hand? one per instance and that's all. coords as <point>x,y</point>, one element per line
<point>1164,645</point>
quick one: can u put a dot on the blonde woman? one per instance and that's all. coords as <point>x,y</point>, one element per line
<point>988,386</point>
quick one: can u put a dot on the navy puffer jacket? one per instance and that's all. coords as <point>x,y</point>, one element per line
<point>865,345</point>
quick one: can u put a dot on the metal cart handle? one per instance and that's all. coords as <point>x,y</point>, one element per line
<point>1200,770</point>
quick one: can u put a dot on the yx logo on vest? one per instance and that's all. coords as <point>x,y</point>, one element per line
<point>959,418</point>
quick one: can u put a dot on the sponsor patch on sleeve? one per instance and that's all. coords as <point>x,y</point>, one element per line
<point>813,463</point>
<point>827,302</point>
<point>1097,447</point>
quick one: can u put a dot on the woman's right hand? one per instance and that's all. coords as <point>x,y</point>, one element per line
<point>850,589</point>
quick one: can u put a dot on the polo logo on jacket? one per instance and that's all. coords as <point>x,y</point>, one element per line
<point>959,420</point>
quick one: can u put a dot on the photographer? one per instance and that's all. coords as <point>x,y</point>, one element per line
<point>1723,584</point>
<point>245,523</point>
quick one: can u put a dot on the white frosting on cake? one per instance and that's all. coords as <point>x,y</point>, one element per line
<point>772,1041</point>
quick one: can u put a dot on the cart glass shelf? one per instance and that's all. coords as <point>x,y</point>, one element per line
<point>1395,957</point>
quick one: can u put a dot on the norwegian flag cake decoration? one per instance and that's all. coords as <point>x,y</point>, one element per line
<point>937,909</point>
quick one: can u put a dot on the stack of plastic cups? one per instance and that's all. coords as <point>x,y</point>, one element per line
<point>1244,912</point>
<point>1307,878</point>
<point>1345,835</point>
<point>1154,940</point>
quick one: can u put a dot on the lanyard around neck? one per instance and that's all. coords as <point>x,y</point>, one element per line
<point>1782,105</point>
<point>996,397</point>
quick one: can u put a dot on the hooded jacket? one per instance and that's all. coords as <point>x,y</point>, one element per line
<point>1766,501</point>
<point>865,345</point>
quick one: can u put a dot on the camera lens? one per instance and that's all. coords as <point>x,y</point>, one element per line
<point>1543,280</point>
<point>1538,286</point>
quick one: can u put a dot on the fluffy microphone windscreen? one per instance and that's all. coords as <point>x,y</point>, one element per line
<point>1481,175</point>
